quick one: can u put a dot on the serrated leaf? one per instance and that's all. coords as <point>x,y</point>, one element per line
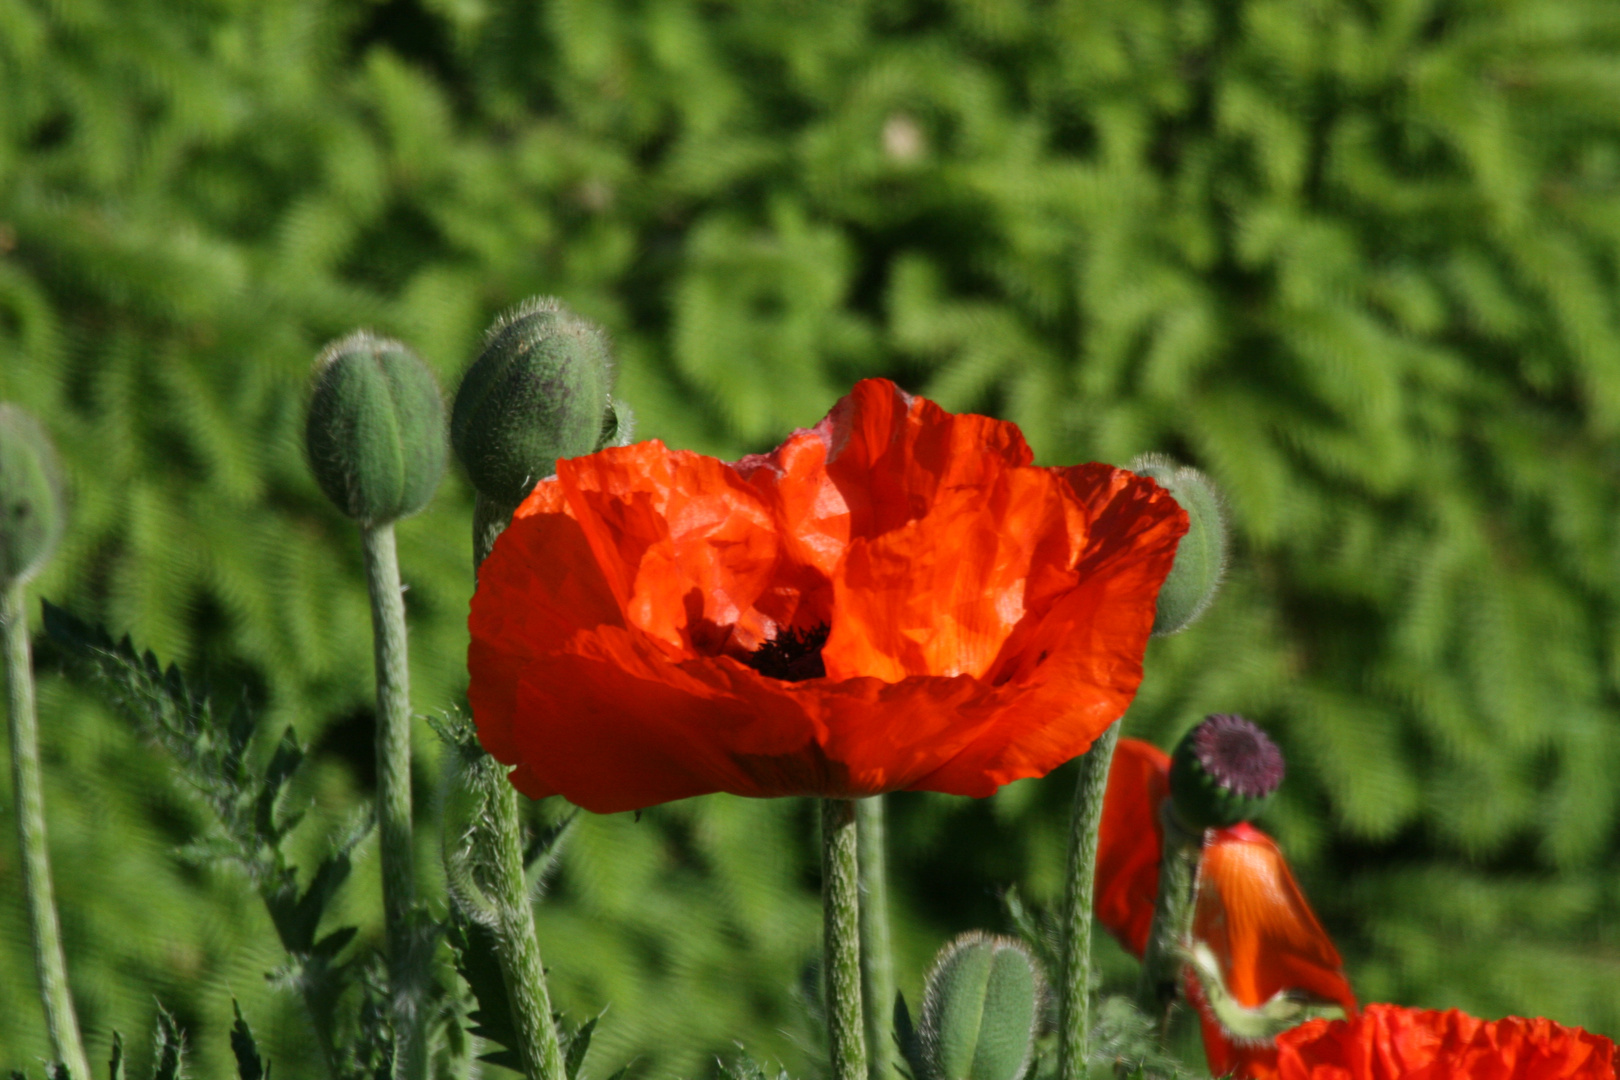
<point>249,1065</point>
<point>283,763</point>
<point>333,943</point>
<point>477,964</point>
<point>238,734</point>
<point>576,1043</point>
<point>298,919</point>
<point>168,1048</point>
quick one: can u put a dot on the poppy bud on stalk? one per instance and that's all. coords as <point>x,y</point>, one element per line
<point>538,392</point>
<point>31,506</point>
<point>981,1009</point>
<point>375,431</point>
<point>1222,772</point>
<point>1201,557</point>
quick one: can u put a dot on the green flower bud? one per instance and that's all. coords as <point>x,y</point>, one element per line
<point>32,510</point>
<point>1222,772</point>
<point>538,392</point>
<point>982,1004</point>
<point>1201,557</point>
<point>375,431</point>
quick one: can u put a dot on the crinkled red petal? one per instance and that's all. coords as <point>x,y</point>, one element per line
<point>1390,1042</point>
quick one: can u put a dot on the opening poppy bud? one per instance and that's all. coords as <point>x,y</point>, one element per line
<point>981,1008</point>
<point>1222,772</point>
<point>32,510</point>
<point>1201,557</point>
<point>375,430</point>
<point>538,392</point>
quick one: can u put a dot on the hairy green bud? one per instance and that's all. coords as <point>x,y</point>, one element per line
<point>1201,557</point>
<point>32,511</point>
<point>982,1005</point>
<point>538,392</point>
<point>375,430</point>
<point>1222,772</point>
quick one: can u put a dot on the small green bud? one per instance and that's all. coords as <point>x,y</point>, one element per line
<point>32,510</point>
<point>538,392</point>
<point>1201,558</point>
<point>375,431</point>
<point>1222,772</point>
<point>982,1004</point>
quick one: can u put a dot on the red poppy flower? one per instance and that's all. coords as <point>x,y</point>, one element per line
<point>1388,1042</point>
<point>893,599</point>
<point>1264,959</point>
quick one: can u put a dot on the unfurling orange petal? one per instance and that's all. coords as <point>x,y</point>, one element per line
<point>1258,924</point>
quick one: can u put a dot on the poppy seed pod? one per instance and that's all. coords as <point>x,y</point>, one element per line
<point>538,392</point>
<point>32,511</point>
<point>375,429</point>
<point>1201,556</point>
<point>1222,772</point>
<point>981,1009</point>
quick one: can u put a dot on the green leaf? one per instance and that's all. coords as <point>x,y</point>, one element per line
<point>476,962</point>
<point>576,1042</point>
<point>115,1066</point>
<point>168,1048</point>
<point>249,1065</point>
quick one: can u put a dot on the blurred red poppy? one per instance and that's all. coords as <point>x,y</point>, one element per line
<point>1389,1042</point>
<point>1264,960</point>
<point>893,599</point>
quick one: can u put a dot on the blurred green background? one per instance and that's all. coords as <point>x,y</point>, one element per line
<point>1358,259</point>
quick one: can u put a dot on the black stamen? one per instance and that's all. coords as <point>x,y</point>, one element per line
<point>792,655</point>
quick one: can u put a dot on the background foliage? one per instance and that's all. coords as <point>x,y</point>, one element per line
<point>1356,258</point>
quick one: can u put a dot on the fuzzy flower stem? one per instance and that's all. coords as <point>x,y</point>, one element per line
<point>49,963</point>
<point>877,962</point>
<point>1074,996</point>
<point>841,939</point>
<point>500,835</point>
<point>396,846</point>
<point>1172,918</point>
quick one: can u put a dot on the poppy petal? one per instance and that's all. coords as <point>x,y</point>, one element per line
<point>1256,921</point>
<point>1130,841</point>
<point>1390,1042</point>
<point>984,619</point>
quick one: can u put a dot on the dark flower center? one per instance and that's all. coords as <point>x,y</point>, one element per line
<point>1238,755</point>
<point>792,655</point>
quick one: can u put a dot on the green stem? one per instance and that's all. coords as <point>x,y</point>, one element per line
<point>50,966</point>
<point>1074,996</point>
<point>841,939</point>
<point>509,913</point>
<point>396,846</point>
<point>877,961</point>
<point>1160,981</point>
